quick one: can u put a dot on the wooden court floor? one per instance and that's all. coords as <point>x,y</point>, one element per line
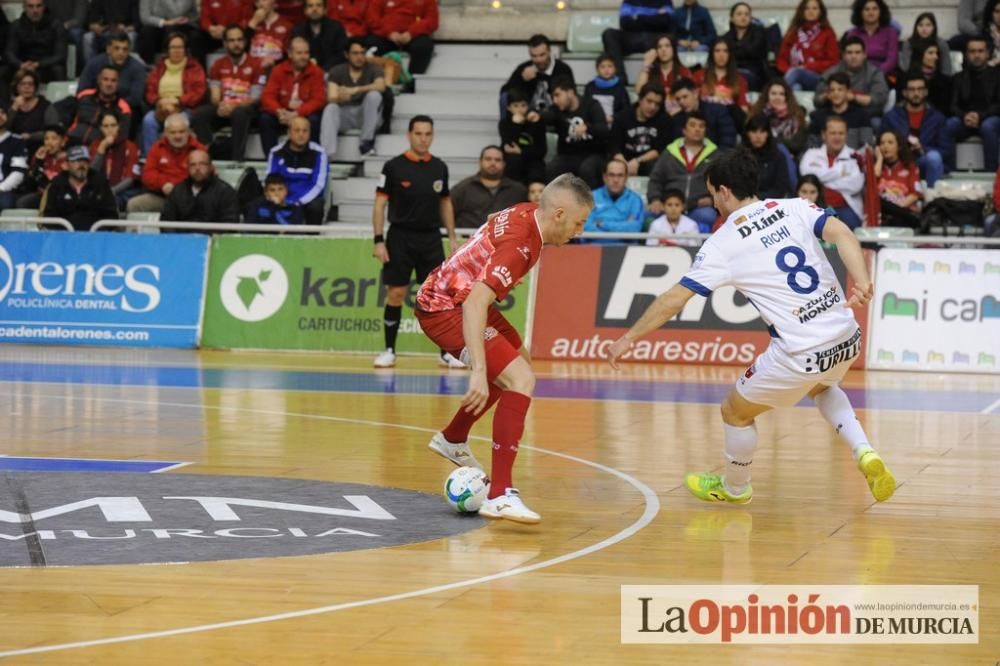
<point>605,471</point>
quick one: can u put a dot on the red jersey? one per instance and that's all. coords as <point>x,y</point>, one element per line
<point>239,83</point>
<point>499,255</point>
<point>899,181</point>
<point>270,41</point>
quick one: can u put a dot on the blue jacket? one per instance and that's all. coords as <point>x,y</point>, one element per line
<point>306,173</point>
<point>701,26</point>
<point>645,15</point>
<point>933,133</point>
<point>625,214</point>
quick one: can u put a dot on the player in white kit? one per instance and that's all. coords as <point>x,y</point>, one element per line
<point>769,250</point>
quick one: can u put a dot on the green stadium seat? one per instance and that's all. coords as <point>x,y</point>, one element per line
<point>19,212</point>
<point>638,184</point>
<point>584,35</point>
<point>57,90</point>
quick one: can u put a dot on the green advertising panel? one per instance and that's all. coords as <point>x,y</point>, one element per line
<point>268,292</point>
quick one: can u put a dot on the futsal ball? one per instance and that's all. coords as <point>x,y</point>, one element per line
<point>465,489</point>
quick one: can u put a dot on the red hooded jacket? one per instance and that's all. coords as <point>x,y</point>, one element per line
<point>820,54</point>
<point>281,83</point>
<point>417,17</point>
<point>351,14</point>
<point>192,79</point>
<point>166,164</point>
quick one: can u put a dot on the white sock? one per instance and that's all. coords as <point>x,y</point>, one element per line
<point>740,445</point>
<point>836,409</point>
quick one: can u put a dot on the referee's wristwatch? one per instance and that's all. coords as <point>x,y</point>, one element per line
<point>379,238</point>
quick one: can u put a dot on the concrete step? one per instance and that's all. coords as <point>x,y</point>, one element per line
<point>445,124</point>
<point>454,105</point>
<point>458,167</point>
<point>354,189</point>
<point>446,144</point>
<point>515,52</point>
<point>354,209</point>
<point>459,84</point>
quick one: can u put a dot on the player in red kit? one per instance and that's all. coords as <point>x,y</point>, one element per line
<point>455,307</point>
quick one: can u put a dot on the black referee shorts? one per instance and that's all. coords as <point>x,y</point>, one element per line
<point>422,251</point>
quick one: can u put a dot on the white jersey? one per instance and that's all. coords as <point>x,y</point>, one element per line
<point>770,252</point>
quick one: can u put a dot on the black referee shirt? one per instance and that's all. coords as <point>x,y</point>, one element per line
<point>414,187</point>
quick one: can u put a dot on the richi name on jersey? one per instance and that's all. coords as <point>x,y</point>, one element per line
<point>747,226</point>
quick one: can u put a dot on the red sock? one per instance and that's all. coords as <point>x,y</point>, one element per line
<point>458,430</point>
<point>508,426</point>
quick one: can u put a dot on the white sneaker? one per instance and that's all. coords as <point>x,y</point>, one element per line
<point>449,361</point>
<point>509,506</point>
<point>460,454</point>
<point>386,359</point>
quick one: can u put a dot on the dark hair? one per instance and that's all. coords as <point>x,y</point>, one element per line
<point>23,74</point>
<point>652,87</point>
<point>799,17</point>
<point>736,169</point>
<point>732,76</point>
<point>351,41</point>
<point>118,37</point>
<point>422,118</point>
<point>563,83</point>
<point>918,48</point>
<point>913,75</point>
<point>833,118</point>
<point>858,7</point>
<point>976,38</point>
<point>695,115</point>
<point>275,179</point>
<point>760,106</point>
<point>171,37</point>
<point>988,15</point>
<point>61,131</point>
<point>815,182</point>
<point>905,154</point>
<point>538,40</point>
<point>732,10</point>
<point>851,40</point>
<point>921,17</point>
<point>109,67</point>
<point>673,193</point>
<point>842,78</point>
<point>758,123</point>
<point>683,83</point>
<point>516,95</point>
<point>230,28</point>
<point>491,147</point>
<point>605,57</point>
<point>674,62</point>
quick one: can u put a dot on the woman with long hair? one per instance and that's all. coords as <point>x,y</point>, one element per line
<point>898,180</point>
<point>773,181</point>
<point>786,118</point>
<point>30,113</point>
<point>925,29</point>
<point>661,64</point>
<point>927,63</point>
<point>809,47</point>
<point>810,189</point>
<point>719,81</point>
<point>117,158</point>
<point>748,45</point>
<point>991,30</point>
<point>176,85</point>
<point>871,21</point>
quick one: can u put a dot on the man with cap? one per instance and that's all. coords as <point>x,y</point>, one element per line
<point>79,194</point>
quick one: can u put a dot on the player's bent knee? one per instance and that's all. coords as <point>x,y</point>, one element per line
<point>394,296</point>
<point>734,412</point>
<point>517,377</point>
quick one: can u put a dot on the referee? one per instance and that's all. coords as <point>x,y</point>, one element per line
<point>415,185</point>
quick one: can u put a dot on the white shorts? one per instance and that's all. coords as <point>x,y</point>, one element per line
<point>780,379</point>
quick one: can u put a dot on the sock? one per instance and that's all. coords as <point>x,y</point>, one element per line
<point>740,445</point>
<point>458,430</point>
<point>393,313</point>
<point>508,426</point>
<point>836,409</point>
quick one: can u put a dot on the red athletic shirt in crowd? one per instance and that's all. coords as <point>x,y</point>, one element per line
<point>499,255</point>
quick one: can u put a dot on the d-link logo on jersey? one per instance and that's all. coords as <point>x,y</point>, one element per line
<point>254,287</point>
<point>760,225</point>
<point>47,284</point>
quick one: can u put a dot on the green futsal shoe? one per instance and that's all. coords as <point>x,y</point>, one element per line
<point>710,488</point>
<point>880,480</point>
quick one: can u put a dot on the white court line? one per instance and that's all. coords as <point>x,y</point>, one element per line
<point>171,468</point>
<point>990,409</point>
<point>651,500</point>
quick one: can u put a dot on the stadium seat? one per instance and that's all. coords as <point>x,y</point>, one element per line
<point>969,155</point>
<point>57,90</point>
<point>692,59</point>
<point>584,34</point>
<point>638,184</point>
<point>144,217</point>
<point>805,100</point>
<point>19,212</point>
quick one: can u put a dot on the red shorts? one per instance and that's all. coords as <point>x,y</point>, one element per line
<point>502,341</point>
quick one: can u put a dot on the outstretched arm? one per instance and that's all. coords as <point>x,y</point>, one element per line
<point>849,249</point>
<point>663,309</point>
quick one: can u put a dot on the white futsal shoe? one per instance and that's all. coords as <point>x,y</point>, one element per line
<point>386,359</point>
<point>459,453</point>
<point>509,506</point>
<point>449,361</point>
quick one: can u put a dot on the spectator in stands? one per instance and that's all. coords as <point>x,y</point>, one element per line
<point>640,23</point>
<point>837,92</point>
<point>925,29</point>
<point>607,88</point>
<point>583,134</point>
<point>927,65</point>
<point>900,192</point>
<point>215,16</point>
<point>350,14</point>
<point>533,77</point>
<point>486,192</point>
<point>293,10</point>
<point>93,103</point>
<point>535,190</point>
<point>975,102</point>
<point>30,113</point>
<point>305,168</point>
<point>235,85</point>
<point>202,196</point>
<point>924,127</point>
<point>970,23</point>
<point>118,159</point>
<point>809,48</point>
<point>990,227</point>
<point>294,90</point>
<point>721,129</point>
<point>616,207</point>
<point>673,222</point>
<point>682,166</point>
<point>107,18</point>
<point>166,165</point>
<point>354,92</point>
<point>131,70</point>
<point>404,25</point>
<point>640,133</point>
<point>719,82</point>
<point>160,18</point>
<point>272,207</point>
<point>271,33</point>
<point>523,140</point>
<point>787,119</point>
<point>13,163</point>
<point>835,165</point>
<point>810,189</point>
<point>748,45</point>
<point>47,162</point>
<point>79,194</point>
<point>773,181</point>
<point>868,85</point>
<point>693,26</point>
<point>36,42</point>
<point>327,38</point>
<point>72,14</point>
<point>176,85</point>
<point>991,30</point>
<point>661,64</point>
<point>871,21</point>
